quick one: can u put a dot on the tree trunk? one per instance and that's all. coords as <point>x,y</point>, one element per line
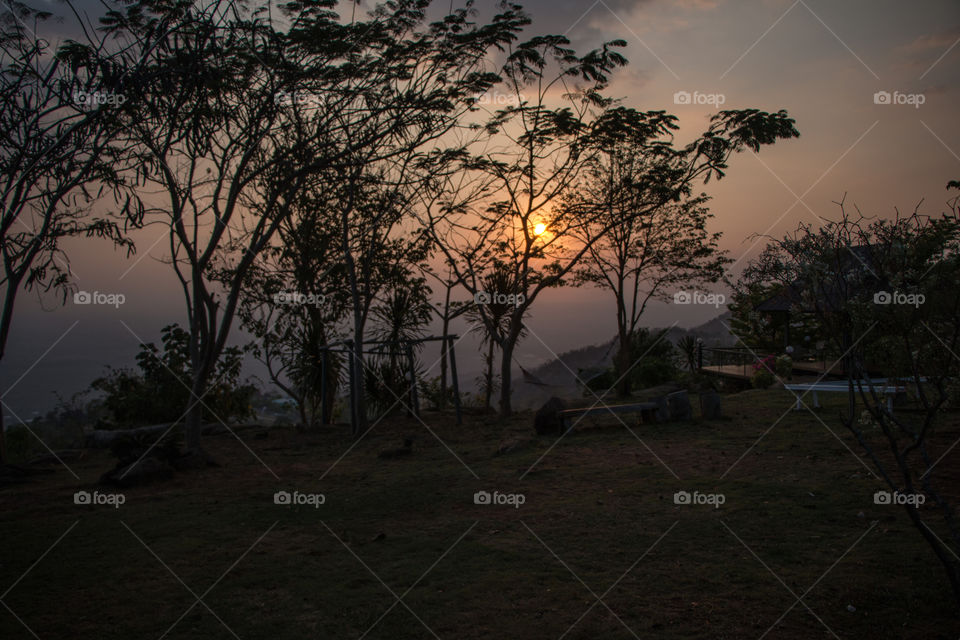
<point>357,392</point>
<point>952,568</point>
<point>3,440</point>
<point>193,420</point>
<point>444,348</point>
<point>623,364</point>
<point>506,370</point>
<point>488,376</point>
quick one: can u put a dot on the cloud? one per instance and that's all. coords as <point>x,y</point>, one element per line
<point>697,5</point>
<point>926,42</point>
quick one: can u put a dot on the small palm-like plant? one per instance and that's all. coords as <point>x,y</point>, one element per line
<point>687,345</point>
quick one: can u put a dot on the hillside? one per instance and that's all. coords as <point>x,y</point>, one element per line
<point>559,377</point>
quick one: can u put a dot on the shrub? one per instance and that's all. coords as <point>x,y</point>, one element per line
<point>431,395</point>
<point>160,390</point>
<point>762,379</point>
<point>784,366</point>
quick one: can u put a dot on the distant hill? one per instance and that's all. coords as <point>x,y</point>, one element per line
<point>559,377</point>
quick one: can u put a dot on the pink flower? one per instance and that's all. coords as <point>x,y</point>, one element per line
<point>766,363</point>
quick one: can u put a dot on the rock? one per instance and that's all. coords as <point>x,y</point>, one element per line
<point>512,444</point>
<point>57,457</point>
<point>405,450</point>
<point>710,405</point>
<point>143,471</point>
<point>105,438</point>
<point>547,419</point>
<point>678,403</point>
<point>851,608</point>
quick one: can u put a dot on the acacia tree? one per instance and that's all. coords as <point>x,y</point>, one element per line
<point>432,78</point>
<point>539,153</point>
<point>236,115</point>
<point>56,160</point>
<point>887,293</point>
<point>638,258</point>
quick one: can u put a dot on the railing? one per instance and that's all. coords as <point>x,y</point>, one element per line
<point>740,357</point>
<point>743,359</point>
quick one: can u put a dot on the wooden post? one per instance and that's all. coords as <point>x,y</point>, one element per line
<point>455,383</point>
<point>414,400</point>
<point>354,401</point>
<point>324,359</point>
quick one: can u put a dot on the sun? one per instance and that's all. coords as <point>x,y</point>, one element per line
<point>539,229</point>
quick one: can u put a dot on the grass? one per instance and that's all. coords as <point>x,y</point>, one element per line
<point>599,520</point>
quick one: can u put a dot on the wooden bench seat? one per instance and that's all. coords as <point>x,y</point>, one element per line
<point>645,409</point>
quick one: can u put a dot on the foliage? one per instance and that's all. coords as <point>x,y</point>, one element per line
<point>784,366</point>
<point>762,379</point>
<point>432,395</point>
<point>764,364</point>
<point>160,390</point>
<point>887,294</point>
<point>652,360</point>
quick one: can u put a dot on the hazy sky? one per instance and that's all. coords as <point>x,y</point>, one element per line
<point>822,60</point>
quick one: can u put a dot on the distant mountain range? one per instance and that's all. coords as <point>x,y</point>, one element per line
<point>559,377</point>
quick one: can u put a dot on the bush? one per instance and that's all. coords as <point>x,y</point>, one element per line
<point>762,379</point>
<point>432,397</point>
<point>784,366</point>
<point>160,391</point>
<point>653,360</point>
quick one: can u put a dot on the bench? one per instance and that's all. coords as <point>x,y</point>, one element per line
<point>645,409</point>
<point>880,385</point>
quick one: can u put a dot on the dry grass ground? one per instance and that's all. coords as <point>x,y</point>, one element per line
<point>599,521</point>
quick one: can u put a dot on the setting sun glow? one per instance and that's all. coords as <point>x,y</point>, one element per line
<point>539,229</point>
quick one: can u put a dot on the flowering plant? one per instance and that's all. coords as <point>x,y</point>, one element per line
<point>766,363</point>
